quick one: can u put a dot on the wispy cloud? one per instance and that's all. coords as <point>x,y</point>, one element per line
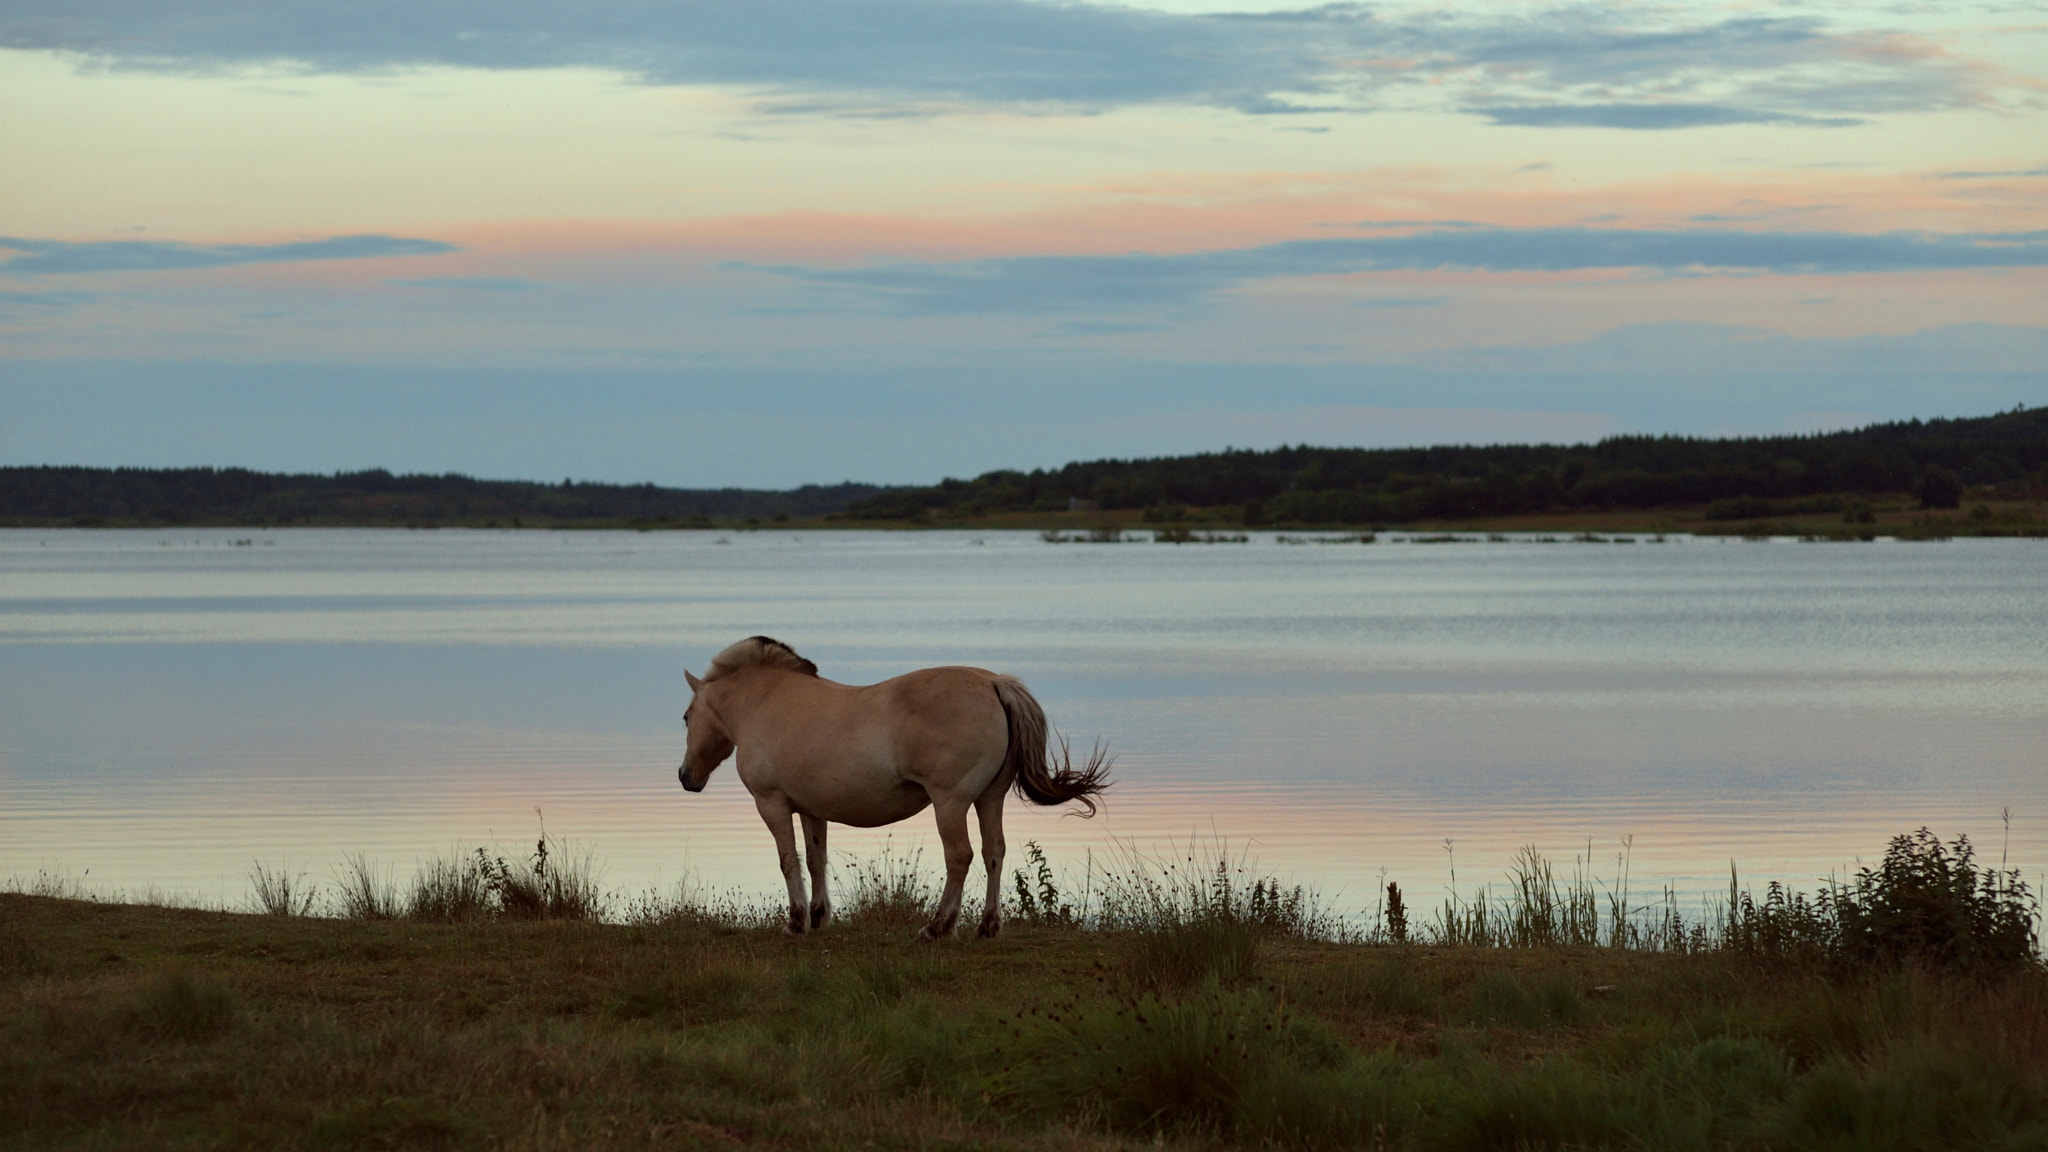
<point>64,257</point>
<point>1041,284</point>
<point>1649,116</point>
<point>1575,65</point>
<point>1403,302</point>
<point>43,301</point>
<point>2008,174</point>
<point>468,283</point>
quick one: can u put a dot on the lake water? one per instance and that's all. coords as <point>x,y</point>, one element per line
<point>177,704</point>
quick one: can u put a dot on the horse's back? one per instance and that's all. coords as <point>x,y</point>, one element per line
<point>942,730</point>
<point>941,716</point>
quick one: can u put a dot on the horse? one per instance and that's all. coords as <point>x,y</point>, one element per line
<point>876,754</point>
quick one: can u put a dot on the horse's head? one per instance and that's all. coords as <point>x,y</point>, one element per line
<point>709,744</point>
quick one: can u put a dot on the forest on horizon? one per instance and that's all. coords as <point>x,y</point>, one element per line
<point>1935,461</point>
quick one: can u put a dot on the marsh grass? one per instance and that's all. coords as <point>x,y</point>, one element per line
<point>557,882</point>
<point>891,889</point>
<point>1926,903</point>
<point>1199,915</point>
<point>452,889</point>
<point>364,890</point>
<point>280,891</point>
<point>1136,890</point>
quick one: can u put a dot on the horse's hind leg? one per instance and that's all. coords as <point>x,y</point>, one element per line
<point>776,814</point>
<point>814,856</point>
<point>952,816</point>
<point>990,809</point>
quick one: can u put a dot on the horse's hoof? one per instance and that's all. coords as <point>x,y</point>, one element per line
<point>990,927</point>
<point>930,934</point>
<point>819,915</point>
<point>796,924</point>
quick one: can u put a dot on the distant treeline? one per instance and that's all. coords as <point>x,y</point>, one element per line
<point>235,496</point>
<point>1932,460</point>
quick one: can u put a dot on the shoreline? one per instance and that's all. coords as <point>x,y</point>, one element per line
<point>1899,517</point>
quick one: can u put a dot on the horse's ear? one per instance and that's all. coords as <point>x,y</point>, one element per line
<point>695,684</point>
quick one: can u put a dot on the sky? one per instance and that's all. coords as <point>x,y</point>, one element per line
<point>803,241</point>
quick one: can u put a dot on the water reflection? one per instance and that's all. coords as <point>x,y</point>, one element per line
<point>178,705</point>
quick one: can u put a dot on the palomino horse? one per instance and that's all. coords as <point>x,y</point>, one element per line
<point>868,756</point>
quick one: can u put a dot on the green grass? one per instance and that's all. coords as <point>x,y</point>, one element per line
<point>1185,1002</point>
<point>141,1027</point>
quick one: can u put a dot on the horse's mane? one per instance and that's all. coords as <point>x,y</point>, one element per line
<point>758,651</point>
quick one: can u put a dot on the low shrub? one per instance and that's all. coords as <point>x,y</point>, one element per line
<point>1926,903</point>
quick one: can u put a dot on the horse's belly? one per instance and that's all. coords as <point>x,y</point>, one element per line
<point>860,794</point>
<point>874,810</point>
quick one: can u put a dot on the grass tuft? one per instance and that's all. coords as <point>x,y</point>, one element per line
<point>454,890</point>
<point>548,885</point>
<point>280,892</point>
<point>890,890</point>
<point>365,891</point>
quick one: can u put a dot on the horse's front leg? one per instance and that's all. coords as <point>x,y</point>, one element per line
<point>821,884</point>
<point>952,816</point>
<point>776,813</point>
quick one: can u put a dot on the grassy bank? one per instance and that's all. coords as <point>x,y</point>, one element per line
<point>1197,1009</point>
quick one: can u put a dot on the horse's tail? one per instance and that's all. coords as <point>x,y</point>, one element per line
<point>1037,778</point>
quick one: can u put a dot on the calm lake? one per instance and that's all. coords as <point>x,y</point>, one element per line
<point>177,704</point>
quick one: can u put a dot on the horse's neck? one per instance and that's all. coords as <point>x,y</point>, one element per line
<point>744,693</point>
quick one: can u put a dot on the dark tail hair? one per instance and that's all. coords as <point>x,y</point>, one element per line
<point>1037,778</point>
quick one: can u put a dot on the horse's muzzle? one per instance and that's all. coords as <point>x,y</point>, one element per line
<point>683,774</point>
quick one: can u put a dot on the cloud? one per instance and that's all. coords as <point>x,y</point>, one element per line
<point>1648,116</point>
<point>2024,173</point>
<point>43,301</point>
<point>1038,284</point>
<point>1574,65</point>
<point>1403,302</point>
<point>65,257</point>
<point>469,283</point>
